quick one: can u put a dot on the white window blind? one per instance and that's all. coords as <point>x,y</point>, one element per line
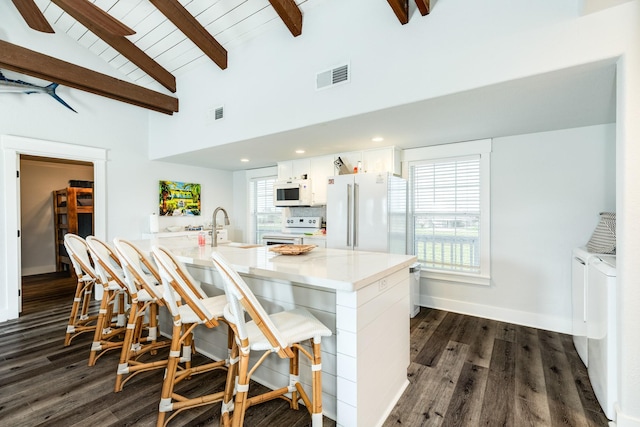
<point>266,217</point>
<point>446,213</point>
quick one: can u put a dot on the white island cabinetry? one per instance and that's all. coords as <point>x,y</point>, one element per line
<point>363,297</point>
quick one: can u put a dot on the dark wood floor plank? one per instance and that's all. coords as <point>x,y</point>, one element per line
<point>498,405</point>
<point>466,331</point>
<point>466,403</point>
<point>532,408</point>
<point>506,331</point>
<point>475,364</point>
<point>435,346</point>
<point>425,401</point>
<point>482,344</point>
<point>579,372</point>
<point>565,406</point>
<point>422,331</point>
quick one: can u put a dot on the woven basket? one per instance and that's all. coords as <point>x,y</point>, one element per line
<point>292,249</point>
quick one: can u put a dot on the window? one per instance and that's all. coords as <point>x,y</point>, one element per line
<point>266,217</point>
<point>449,209</point>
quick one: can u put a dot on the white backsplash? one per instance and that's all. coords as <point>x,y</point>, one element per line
<point>306,211</point>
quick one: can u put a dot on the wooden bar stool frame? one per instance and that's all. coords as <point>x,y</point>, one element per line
<point>146,295</point>
<point>269,333</point>
<point>108,268</point>
<point>190,307</point>
<point>80,321</point>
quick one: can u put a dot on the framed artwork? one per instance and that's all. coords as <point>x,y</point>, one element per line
<point>179,198</point>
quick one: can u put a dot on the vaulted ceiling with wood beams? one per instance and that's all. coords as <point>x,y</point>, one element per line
<point>151,41</point>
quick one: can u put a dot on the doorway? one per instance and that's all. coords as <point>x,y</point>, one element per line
<point>46,273</point>
<point>10,256</point>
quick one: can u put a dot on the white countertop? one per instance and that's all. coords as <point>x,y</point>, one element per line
<point>337,269</point>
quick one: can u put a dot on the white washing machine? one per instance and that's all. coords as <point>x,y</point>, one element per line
<point>602,331</point>
<point>579,263</point>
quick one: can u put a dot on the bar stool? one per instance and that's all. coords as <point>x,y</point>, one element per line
<point>146,295</point>
<point>279,333</point>
<point>107,267</point>
<point>79,320</point>
<point>190,307</point>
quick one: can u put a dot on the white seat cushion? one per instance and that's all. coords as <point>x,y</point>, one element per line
<point>215,306</point>
<point>294,325</point>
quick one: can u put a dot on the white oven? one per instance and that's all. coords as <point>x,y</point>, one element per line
<point>281,239</point>
<point>294,229</point>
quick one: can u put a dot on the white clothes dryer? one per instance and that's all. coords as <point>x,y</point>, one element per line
<point>602,331</point>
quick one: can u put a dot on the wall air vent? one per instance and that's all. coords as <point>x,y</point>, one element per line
<point>335,76</point>
<point>214,114</point>
<point>219,113</point>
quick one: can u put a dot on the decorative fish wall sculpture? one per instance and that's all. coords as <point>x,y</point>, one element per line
<point>18,86</point>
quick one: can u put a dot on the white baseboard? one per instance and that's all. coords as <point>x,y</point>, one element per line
<point>40,269</point>
<point>534,320</point>
<point>623,420</point>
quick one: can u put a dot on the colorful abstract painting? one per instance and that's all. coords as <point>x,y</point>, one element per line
<point>179,198</point>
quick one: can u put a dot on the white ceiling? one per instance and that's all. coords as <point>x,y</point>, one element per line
<point>228,21</point>
<point>575,97</point>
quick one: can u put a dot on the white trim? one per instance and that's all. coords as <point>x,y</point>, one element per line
<point>524,318</point>
<point>623,420</point>
<point>482,147</point>
<point>459,149</point>
<point>12,147</point>
<point>454,277</point>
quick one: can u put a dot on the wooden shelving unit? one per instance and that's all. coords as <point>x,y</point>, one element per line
<point>72,213</point>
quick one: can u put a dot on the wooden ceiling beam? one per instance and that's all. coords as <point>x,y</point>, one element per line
<point>401,9</point>
<point>98,17</point>
<point>119,43</point>
<point>423,6</point>
<point>290,14</point>
<point>32,63</point>
<point>33,16</point>
<point>191,28</point>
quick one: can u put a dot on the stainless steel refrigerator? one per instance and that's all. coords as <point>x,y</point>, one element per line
<point>367,212</point>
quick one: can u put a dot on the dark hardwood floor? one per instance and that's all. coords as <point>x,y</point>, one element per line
<point>465,371</point>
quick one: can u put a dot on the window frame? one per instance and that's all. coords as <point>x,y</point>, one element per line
<point>253,206</point>
<point>429,154</point>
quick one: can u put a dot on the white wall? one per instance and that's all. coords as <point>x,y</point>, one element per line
<point>460,45</point>
<point>121,129</point>
<point>546,192</point>
<point>38,179</point>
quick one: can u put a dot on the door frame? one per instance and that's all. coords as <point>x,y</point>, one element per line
<point>12,147</point>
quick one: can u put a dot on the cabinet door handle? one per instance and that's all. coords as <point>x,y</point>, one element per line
<point>356,202</point>
<point>349,203</point>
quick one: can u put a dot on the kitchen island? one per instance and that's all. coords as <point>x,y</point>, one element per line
<point>363,297</point>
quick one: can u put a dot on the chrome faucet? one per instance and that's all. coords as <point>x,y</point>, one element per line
<point>214,235</point>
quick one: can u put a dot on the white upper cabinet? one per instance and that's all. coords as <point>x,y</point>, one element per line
<point>317,169</point>
<point>293,169</point>
<point>350,159</point>
<point>382,160</point>
<point>320,168</point>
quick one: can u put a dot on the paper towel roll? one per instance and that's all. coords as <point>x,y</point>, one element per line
<point>154,226</point>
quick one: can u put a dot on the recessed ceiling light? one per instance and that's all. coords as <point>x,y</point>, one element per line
<point>299,151</point>
<point>377,139</point>
<point>244,160</point>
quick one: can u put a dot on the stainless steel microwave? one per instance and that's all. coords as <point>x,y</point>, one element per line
<point>294,192</point>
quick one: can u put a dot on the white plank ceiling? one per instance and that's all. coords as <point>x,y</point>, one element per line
<point>228,21</point>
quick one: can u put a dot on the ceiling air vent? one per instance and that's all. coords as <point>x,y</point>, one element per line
<point>335,76</point>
